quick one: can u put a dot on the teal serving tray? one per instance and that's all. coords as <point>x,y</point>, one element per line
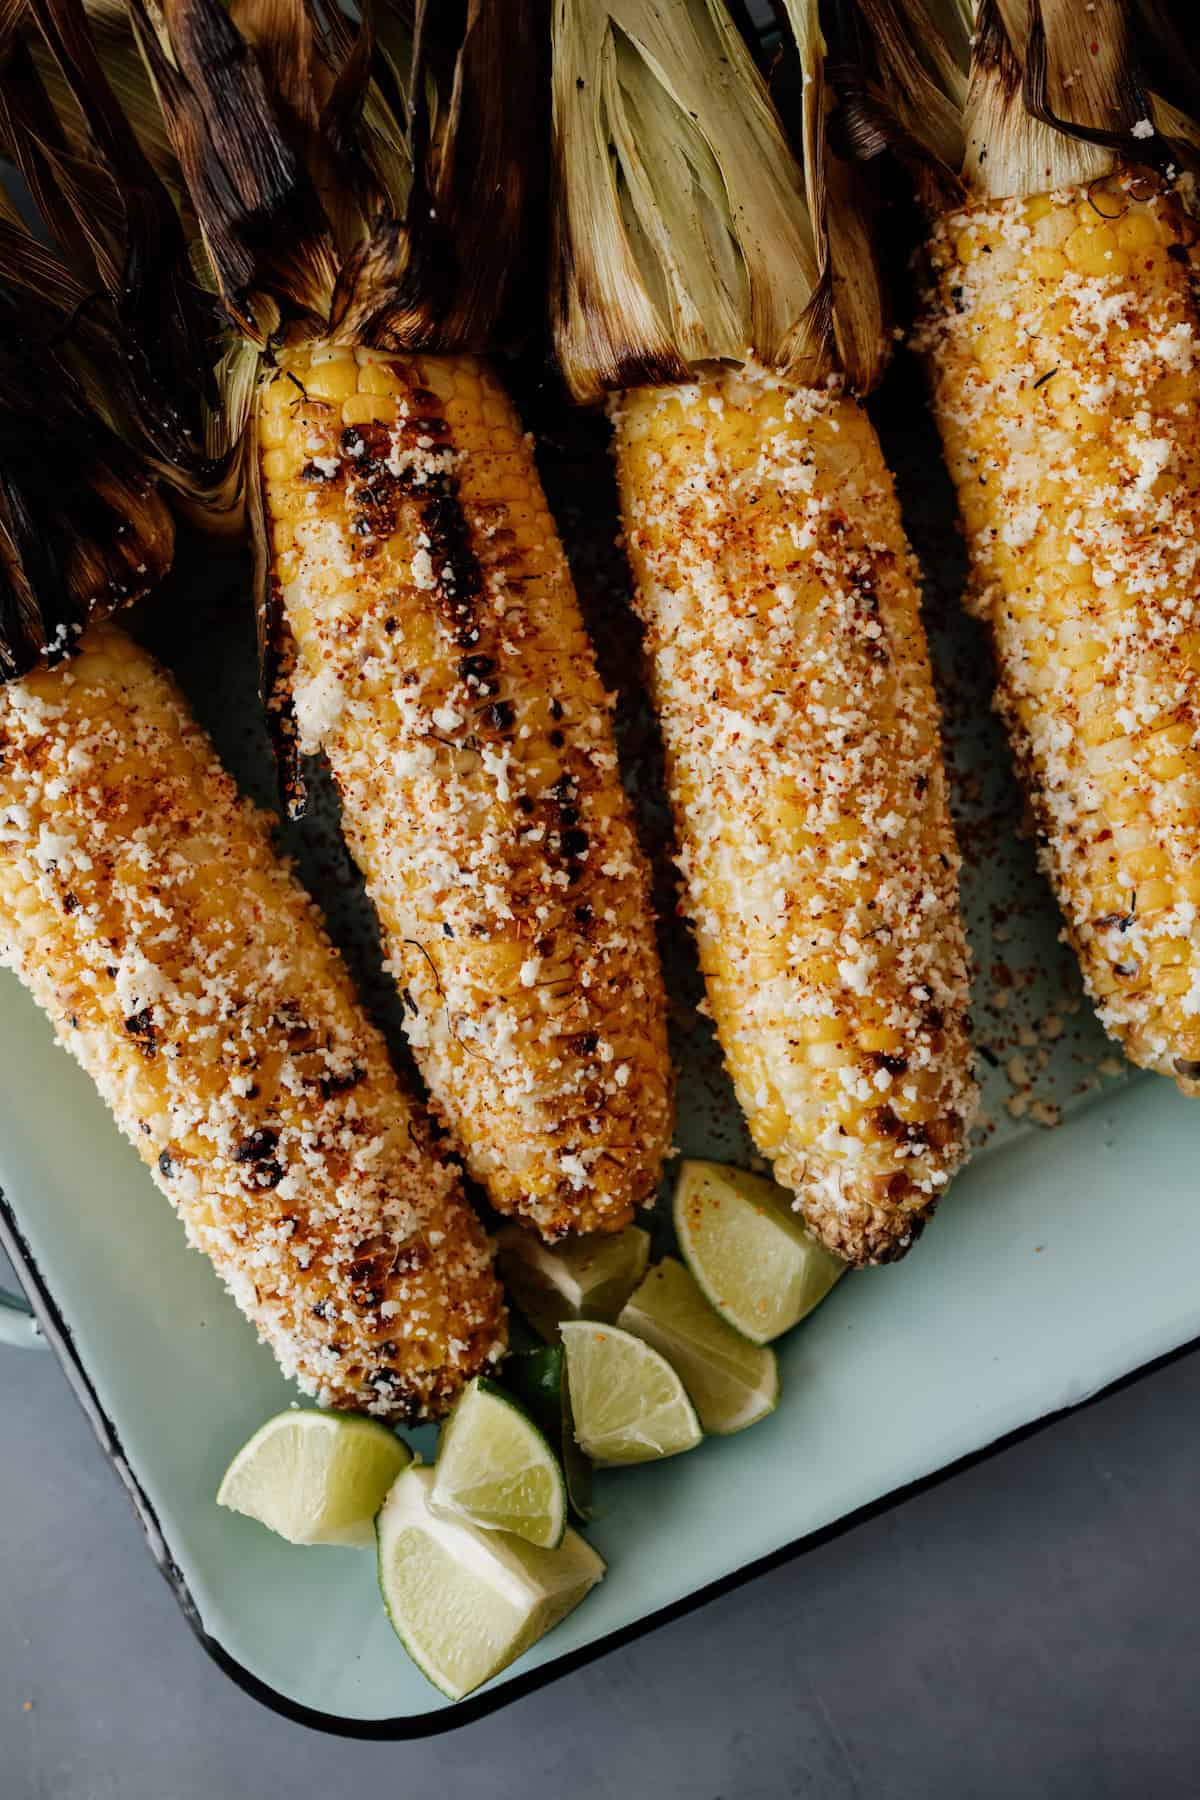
<point>1064,1257</point>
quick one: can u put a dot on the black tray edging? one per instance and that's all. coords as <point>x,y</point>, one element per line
<point>465,1712</point>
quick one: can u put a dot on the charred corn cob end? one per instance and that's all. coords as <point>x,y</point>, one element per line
<point>142,904</point>
<point>442,666</point>
<point>1062,337</point>
<point>820,870</point>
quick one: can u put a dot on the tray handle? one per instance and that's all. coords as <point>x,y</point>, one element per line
<point>17,1323</point>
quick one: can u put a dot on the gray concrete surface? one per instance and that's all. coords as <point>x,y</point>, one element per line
<point>1027,1629</point>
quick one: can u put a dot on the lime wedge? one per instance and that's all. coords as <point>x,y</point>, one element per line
<point>730,1382</point>
<point>496,1470</point>
<point>586,1278</point>
<point>748,1250</point>
<point>628,1403</point>
<point>315,1477</point>
<point>465,1602</point>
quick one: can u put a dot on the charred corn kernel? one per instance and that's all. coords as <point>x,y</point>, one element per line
<point>443,667</point>
<point>142,904</point>
<point>806,780</point>
<point>1094,491</point>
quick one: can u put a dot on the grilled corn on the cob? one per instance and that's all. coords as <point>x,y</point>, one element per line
<point>442,666</point>
<point>793,687</point>
<point>789,663</point>
<point>1063,343</point>
<point>143,905</point>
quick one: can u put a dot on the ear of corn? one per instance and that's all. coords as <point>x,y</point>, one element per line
<point>820,870</point>
<point>789,663</point>
<point>417,622</point>
<point>1060,334</point>
<point>1062,339</point>
<point>142,904</point>
<point>441,664</point>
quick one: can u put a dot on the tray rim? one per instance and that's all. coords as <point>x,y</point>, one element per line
<point>412,1727</point>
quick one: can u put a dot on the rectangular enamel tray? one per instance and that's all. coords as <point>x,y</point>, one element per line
<point>1063,1258</point>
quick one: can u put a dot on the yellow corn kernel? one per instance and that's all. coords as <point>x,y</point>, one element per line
<point>333,380</point>
<point>1137,233</point>
<point>1047,265</point>
<point>277,464</point>
<point>1155,896</point>
<point>1173,982</point>
<point>1144,863</point>
<point>368,408</point>
<point>376,377</point>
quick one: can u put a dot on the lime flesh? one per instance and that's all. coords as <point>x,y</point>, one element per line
<point>731,1383</point>
<point>465,1603</point>
<point>315,1477</point>
<point>628,1403</point>
<point>586,1278</point>
<point>496,1469</point>
<point>750,1254</point>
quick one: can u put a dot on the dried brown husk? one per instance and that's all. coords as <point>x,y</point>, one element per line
<point>684,229</point>
<point>107,350</point>
<point>901,68</point>
<point>1168,45</point>
<point>116,292</point>
<point>1168,49</point>
<point>116,47</point>
<point>373,183</point>
<point>841,205</point>
<point>83,528</point>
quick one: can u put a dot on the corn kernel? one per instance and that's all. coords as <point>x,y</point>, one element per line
<point>378,378</point>
<point>369,408</point>
<point>334,380</point>
<point>1137,233</point>
<point>1047,265</point>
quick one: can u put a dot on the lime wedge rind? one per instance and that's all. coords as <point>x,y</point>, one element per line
<point>464,1602</point>
<point>628,1403</point>
<point>749,1251</point>
<point>315,1477</point>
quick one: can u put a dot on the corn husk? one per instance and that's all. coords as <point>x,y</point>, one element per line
<point>83,530</point>
<point>371,183</point>
<point>901,69</point>
<point>1056,93</point>
<point>1168,50</point>
<point>1052,101</point>
<point>685,229</point>
<point>102,347</point>
<point>108,285</point>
